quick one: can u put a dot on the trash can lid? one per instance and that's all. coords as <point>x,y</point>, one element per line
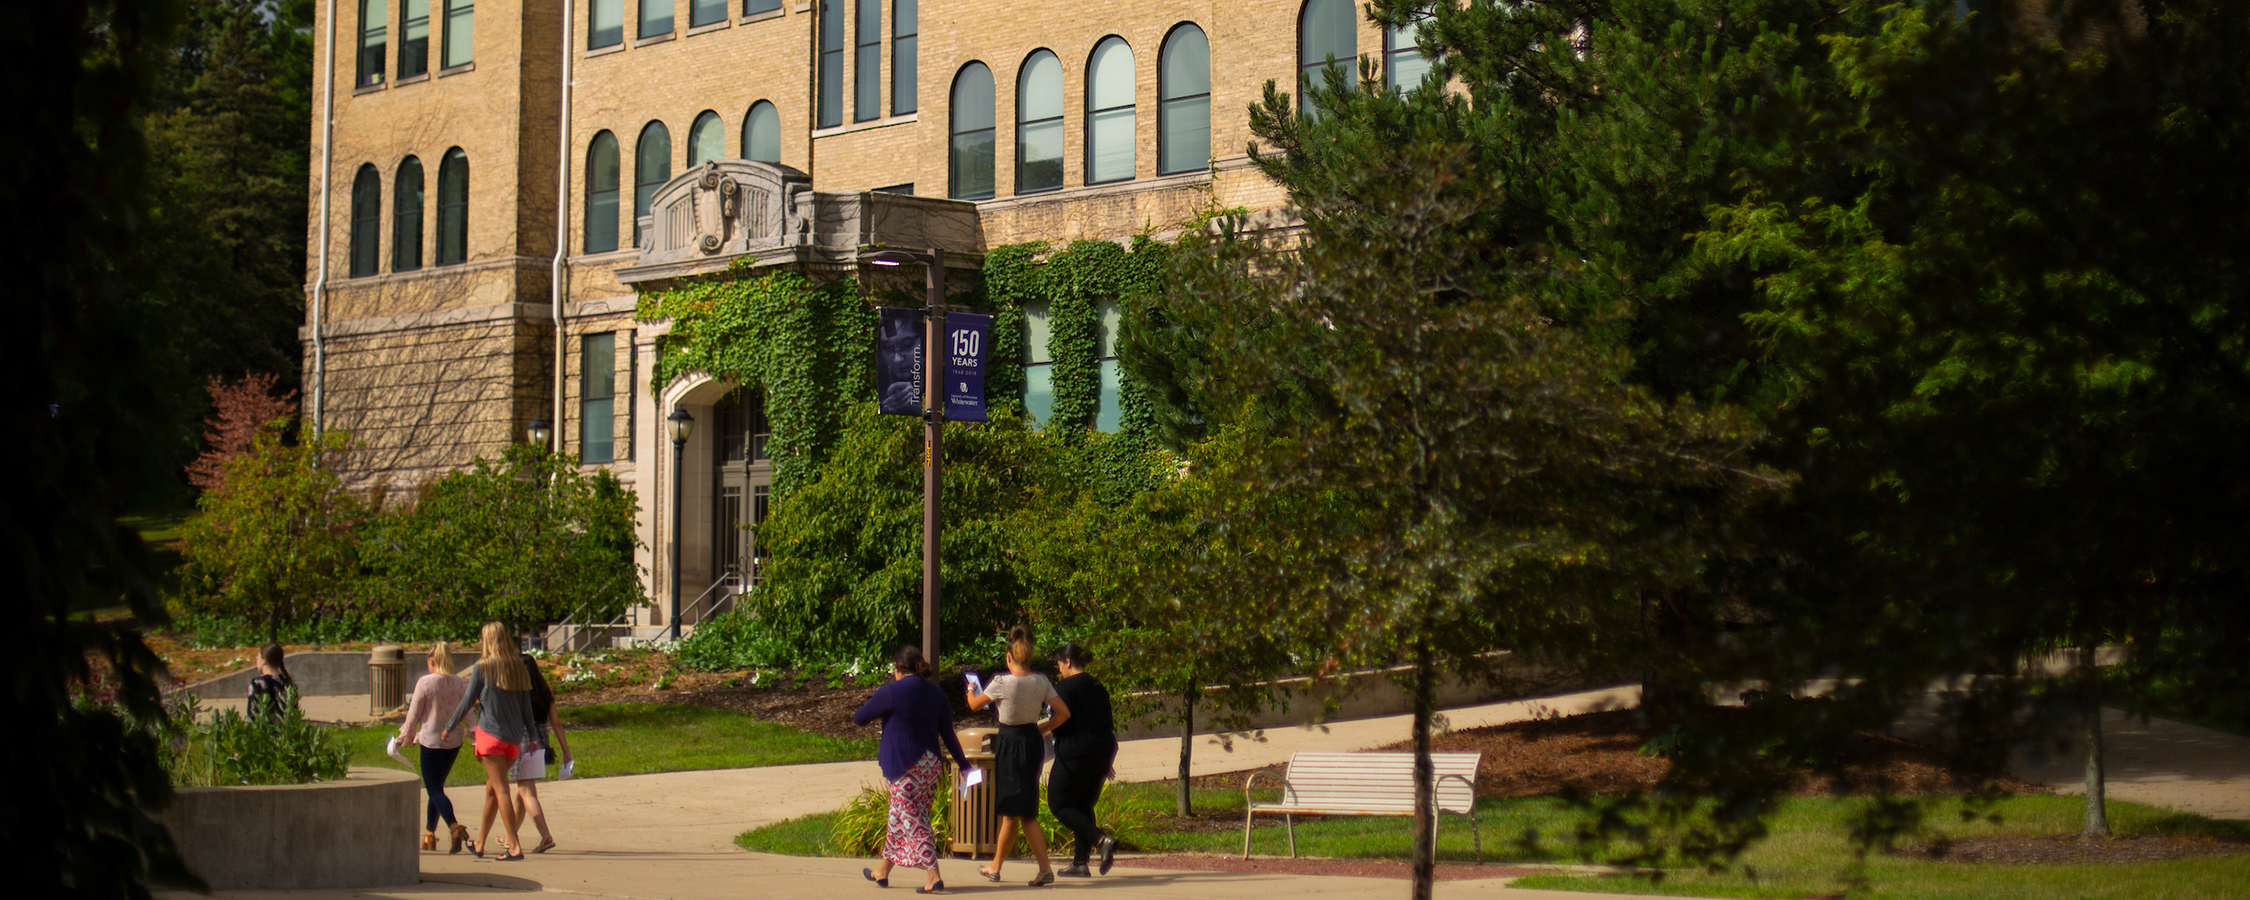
<point>386,653</point>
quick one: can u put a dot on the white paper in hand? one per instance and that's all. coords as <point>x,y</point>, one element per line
<point>976,685</point>
<point>392,749</point>
<point>970,779</point>
<point>569,769</point>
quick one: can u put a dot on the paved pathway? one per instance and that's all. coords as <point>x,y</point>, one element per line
<point>670,836</point>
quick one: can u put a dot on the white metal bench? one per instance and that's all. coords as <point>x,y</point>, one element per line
<point>1364,784</point>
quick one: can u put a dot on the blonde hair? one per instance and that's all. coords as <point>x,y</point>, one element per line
<point>1019,646</point>
<point>441,658</point>
<point>501,662</point>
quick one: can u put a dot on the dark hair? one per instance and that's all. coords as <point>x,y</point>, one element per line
<point>1020,650</point>
<point>272,656</point>
<point>910,661</point>
<point>1074,654</point>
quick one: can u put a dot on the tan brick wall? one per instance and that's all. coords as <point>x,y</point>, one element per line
<point>422,401</point>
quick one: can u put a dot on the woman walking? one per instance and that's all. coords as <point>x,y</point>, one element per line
<point>1018,750</point>
<point>501,689</point>
<point>435,693</point>
<point>532,766</point>
<point>917,724</point>
<point>1085,748</point>
<point>272,689</point>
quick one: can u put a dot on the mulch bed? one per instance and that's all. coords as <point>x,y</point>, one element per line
<point>1359,868</point>
<point>2070,849</point>
<point>815,707</point>
<point>1599,753</point>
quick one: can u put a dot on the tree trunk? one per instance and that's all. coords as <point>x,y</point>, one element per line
<point>2097,812</point>
<point>1425,787</point>
<point>1187,750</point>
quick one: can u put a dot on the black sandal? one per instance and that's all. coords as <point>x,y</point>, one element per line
<point>869,874</point>
<point>1042,880</point>
<point>930,889</point>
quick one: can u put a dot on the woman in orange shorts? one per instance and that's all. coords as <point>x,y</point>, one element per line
<point>498,684</point>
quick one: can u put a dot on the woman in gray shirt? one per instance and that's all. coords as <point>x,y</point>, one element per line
<point>1018,750</point>
<point>501,689</point>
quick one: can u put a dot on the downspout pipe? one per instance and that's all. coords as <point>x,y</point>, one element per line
<point>560,278</point>
<point>327,170</point>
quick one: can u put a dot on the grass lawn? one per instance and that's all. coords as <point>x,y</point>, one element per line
<point>1808,853</point>
<point>633,738</point>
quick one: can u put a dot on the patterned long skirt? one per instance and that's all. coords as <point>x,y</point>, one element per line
<point>911,843</point>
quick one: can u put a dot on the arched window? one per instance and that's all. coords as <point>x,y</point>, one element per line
<point>652,166</point>
<point>1039,124</point>
<point>406,217</point>
<point>706,139</point>
<point>904,22</point>
<point>971,157</point>
<point>761,133</point>
<point>374,21</point>
<point>1109,112</point>
<point>367,221</point>
<point>1183,102</point>
<point>453,208</point>
<point>601,194</point>
<point>1327,34</point>
<point>1404,66</point>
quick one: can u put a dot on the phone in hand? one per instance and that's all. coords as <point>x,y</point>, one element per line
<point>976,684</point>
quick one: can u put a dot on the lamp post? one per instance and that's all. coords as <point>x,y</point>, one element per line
<point>538,432</point>
<point>933,432</point>
<point>681,425</point>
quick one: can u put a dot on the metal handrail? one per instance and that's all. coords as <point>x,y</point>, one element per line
<point>730,576</point>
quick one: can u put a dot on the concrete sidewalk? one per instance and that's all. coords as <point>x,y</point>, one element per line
<point>2158,762</point>
<point>670,836</point>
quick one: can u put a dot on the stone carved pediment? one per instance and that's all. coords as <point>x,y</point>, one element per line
<point>734,210</point>
<point>721,208</point>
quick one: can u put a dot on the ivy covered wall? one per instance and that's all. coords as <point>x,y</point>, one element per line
<point>844,582</point>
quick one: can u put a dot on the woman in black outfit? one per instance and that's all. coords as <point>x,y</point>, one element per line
<point>271,691</point>
<point>1085,748</point>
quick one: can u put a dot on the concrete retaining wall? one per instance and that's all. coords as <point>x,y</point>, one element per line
<point>1377,693</point>
<point>355,833</point>
<point>318,674</point>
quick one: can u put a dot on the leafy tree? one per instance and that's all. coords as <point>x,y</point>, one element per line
<point>277,539</point>
<point>526,540</point>
<point>238,411</point>
<point>82,443</point>
<point>229,145</point>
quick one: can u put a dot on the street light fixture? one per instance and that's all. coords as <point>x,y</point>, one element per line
<point>539,431</point>
<point>933,430</point>
<point>680,424</point>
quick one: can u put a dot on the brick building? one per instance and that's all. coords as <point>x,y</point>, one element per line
<point>467,143</point>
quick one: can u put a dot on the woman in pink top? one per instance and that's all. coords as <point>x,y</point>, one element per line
<point>435,696</point>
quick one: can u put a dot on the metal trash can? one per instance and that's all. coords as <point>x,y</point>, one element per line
<point>386,678</point>
<point>976,826</point>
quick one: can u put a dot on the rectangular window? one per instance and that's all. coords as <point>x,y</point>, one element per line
<point>1110,413</point>
<point>706,12</point>
<point>597,398</point>
<point>605,23</point>
<point>414,38</point>
<point>754,7</point>
<point>831,65</point>
<point>903,23</point>
<point>1038,366</point>
<point>460,32</point>
<point>374,16</point>
<point>656,18</point>
<point>867,63</point>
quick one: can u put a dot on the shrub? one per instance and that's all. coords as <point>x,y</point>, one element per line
<point>274,542</point>
<point>228,749</point>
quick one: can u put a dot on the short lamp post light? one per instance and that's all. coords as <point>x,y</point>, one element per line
<point>933,430</point>
<point>680,424</point>
<point>538,432</point>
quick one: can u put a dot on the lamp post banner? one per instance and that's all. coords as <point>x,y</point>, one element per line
<point>968,334</point>
<point>898,361</point>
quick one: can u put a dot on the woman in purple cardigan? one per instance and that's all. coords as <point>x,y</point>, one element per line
<point>917,725</point>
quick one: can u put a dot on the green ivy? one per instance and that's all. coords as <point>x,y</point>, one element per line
<point>804,346</point>
<point>1074,283</point>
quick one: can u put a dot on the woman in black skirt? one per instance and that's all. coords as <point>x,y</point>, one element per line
<point>1018,750</point>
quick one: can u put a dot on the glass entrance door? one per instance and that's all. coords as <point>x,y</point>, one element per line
<point>741,486</point>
